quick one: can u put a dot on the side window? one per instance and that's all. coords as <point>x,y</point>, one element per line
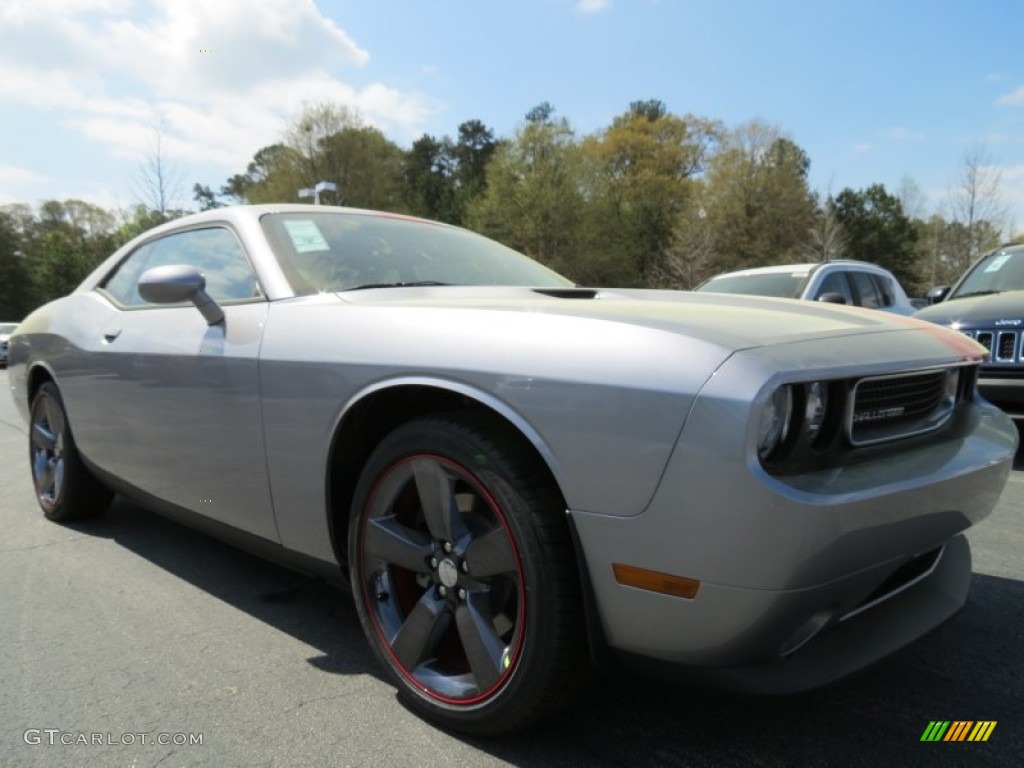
<point>867,290</point>
<point>834,282</point>
<point>885,290</point>
<point>215,252</point>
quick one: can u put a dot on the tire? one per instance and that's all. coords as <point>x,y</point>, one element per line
<point>65,489</point>
<point>464,575</point>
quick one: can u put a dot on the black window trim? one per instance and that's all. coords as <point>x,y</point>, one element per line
<point>100,287</point>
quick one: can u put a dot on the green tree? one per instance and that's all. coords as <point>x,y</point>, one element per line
<point>365,165</point>
<point>533,201</point>
<point>275,175</point>
<point>878,231</point>
<point>205,196</point>
<point>642,173</point>
<point>17,292</point>
<point>428,171</point>
<point>472,151</point>
<point>63,243</point>
<point>759,205</point>
<point>441,177</point>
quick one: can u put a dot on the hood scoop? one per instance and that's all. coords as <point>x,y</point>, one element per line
<point>568,293</point>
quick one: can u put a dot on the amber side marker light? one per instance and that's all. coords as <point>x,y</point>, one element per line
<point>655,581</point>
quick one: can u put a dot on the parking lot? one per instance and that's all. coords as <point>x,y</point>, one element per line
<point>132,630</point>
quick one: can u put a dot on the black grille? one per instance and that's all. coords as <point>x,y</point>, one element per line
<point>1004,347</point>
<point>1007,346</point>
<point>889,407</point>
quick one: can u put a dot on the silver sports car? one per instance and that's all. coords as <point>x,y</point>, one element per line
<point>518,477</point>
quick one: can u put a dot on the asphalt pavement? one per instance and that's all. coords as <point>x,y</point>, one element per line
<point>133,641</point>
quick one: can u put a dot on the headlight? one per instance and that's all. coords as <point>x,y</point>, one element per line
<point>815,409</point>
<point>775,421</point>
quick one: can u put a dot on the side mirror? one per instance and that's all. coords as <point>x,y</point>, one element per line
<point>937,294</point>
<point>832,297</point>
<point>175,283</point>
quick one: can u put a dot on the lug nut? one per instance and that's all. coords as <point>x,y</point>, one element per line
<point>433,563</point>
<point>447,547</point>
<point>465,566</point>
<point>462,594</point>
<point>442,590</point>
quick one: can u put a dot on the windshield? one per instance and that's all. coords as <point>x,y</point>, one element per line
<point>784,285</point>
<point>999,271</point>
<point>331,251</point>
<point>7,328</point>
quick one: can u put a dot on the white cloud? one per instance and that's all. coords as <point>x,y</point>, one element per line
<point>221,78</point>
<point>23,178</point>
<point>593,6</point>
<point>905,134</point>
<point>1014,98</point>
<point>11,173</point>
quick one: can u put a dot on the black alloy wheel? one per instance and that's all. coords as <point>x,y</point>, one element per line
<point>464,576</point>
<point>65,489</point>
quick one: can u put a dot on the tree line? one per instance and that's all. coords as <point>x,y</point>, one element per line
<point>655,199</point>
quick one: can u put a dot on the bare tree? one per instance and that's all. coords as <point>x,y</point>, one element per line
<point>912,198</point>
<point>689,258</point>
<point>975,204</point>
<point>159,182</point>
<point>825,238</point>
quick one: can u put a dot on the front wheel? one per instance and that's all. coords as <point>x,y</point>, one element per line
<point>464,576</point>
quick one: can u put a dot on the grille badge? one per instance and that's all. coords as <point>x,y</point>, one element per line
<point>878,414</point>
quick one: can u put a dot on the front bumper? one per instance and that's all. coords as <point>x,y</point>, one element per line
<point>1005,391</point>
<point>803,580</point>
<point>846,646</point>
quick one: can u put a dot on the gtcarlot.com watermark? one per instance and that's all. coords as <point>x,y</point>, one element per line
<point>55,736</point>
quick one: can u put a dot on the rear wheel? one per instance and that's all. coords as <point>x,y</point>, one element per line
<point>65,489</point>
<point>464,576</point>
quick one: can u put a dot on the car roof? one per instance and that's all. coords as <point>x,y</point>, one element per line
<point>803,269</point>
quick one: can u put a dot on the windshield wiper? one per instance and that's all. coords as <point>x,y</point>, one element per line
<point>396,285</point>
<point>974,293</point>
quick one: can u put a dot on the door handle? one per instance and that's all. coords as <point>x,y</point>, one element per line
<point>110,334</point>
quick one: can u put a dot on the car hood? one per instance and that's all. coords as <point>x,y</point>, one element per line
<point>728,320</point>
<point>977,310</point>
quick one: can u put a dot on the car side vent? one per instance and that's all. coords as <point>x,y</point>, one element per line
<point>568,293</point>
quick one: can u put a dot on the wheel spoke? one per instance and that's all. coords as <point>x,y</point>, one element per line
<point>491,554</point>
<point>54,418</point>
<point>46,478</point>
<point>390,541</point>
<point>58,479</point>
<point>421,631</point>
<point>484,649</point>
<point>434,486</point>
<point>43,438</point>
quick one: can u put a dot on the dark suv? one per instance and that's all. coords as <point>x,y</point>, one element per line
<point>987,304</point>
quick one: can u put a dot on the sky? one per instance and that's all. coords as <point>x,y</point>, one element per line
<point>874,91</point>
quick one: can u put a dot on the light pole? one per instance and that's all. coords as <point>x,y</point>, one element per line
<point>314,191</point>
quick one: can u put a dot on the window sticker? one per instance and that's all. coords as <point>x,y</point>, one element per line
<point>306,236</point>
<point>997,262</point>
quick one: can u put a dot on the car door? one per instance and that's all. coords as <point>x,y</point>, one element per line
<point>179,398</point>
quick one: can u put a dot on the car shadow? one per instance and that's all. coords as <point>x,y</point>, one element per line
<point>318,614</point>
<point>972,668</point>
